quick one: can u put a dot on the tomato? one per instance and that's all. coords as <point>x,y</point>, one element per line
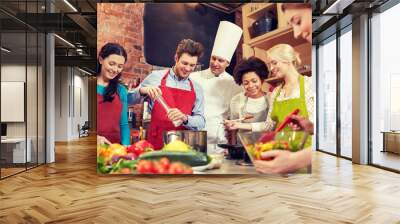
<point>164,162</point>
<point>159,169</point>
<point>145,166</point>
<point>176,168</point>
<point>148,166</point>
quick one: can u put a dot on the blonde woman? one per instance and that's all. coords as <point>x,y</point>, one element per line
<point>298,15</point>
<point>295,92</point>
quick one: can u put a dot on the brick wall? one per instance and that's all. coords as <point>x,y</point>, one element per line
<point>123,23</point>
<point>239,50</point>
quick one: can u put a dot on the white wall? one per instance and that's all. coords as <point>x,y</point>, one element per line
<point>70,83</point>
<point>12,73</point>
<point>61,103</point>
<point>34,125</point>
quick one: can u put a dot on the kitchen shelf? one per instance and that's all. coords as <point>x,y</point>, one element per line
<point>261,9</point>
<point>280,35</point>
<point>283,34</point>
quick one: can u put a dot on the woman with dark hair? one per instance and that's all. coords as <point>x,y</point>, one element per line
<point>112,103</point>
<point>253,102</point>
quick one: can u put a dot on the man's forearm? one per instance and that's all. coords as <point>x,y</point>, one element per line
<point>196,122</point>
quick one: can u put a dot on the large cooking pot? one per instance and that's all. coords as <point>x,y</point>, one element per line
<point>196,139</point>
<point>264,25</point>
<point>235,152</point>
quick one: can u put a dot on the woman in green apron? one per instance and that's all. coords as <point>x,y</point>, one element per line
<point>294,93</point>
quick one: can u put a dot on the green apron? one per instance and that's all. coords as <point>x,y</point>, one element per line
<point>283,108</point>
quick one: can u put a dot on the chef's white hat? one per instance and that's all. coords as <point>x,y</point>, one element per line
<point>226,40</point>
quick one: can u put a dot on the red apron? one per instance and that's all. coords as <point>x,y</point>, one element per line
<point>109,118</point>
<point>176,98</point>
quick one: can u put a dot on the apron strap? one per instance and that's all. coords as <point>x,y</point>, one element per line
<point>164,79</point>
<point>302,87</point>
<point>243,110</point>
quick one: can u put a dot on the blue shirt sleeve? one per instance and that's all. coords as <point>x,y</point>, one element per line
<point>153,80</point>
<point>124,126</point>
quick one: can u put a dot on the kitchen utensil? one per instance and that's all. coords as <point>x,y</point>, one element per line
<point>245,117</point>
<point>196,139</point>
<point>235,152</point>
<point>264,25</point>
<point>270,135</point>
<point>161,100</point>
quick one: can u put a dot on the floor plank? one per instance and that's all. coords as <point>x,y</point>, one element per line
<point>70,191</point>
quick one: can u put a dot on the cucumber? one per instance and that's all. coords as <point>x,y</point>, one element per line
<point>189,158</point>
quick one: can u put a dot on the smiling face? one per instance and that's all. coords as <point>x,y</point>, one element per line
<point>218,65</point>
<point>300,20</point>
<point>277,67</point>
<point>252,84</point>
<point>184,65</point>
<point>111,66</point>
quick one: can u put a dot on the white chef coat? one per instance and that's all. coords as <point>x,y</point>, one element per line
<point>218,93</point>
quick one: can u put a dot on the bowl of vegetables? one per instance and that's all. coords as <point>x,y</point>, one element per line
<point>283,140</point>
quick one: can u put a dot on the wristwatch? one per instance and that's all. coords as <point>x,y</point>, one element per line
<point>187,120</point>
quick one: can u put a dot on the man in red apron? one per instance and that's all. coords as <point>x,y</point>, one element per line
<point>184,97</point>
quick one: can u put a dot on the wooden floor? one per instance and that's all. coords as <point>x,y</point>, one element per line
<point>10,171</point>
<point>70,191</point>
<point>387,159</point>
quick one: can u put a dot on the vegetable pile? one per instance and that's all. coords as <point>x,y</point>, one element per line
<point>282,141</point>
<point>175,158</point>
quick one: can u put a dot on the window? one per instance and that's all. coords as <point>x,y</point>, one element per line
<point>346,93</point>
<point>327,95</point>
<point>385,87</point>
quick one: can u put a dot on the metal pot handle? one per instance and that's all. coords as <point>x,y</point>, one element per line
<point>169,134</point>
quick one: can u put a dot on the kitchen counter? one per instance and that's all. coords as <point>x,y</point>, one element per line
<point>230,167</point>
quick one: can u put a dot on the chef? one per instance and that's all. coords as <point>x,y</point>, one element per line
<point>184,97</point>
<point>219,86</point>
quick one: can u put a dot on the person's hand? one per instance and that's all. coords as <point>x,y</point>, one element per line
<point>101,140</point>
<point>175,114</point>
<point>299,123</point>
<point>152,92</point>
<point>231,125</point>
<point>283,161</point>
